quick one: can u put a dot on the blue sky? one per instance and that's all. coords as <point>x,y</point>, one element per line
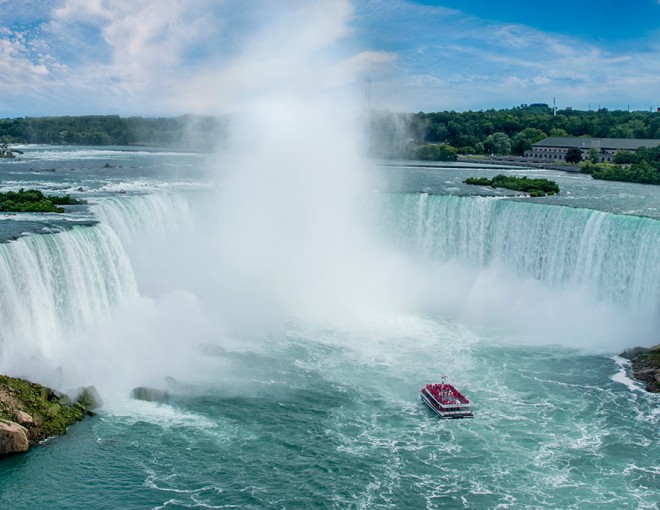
<point>167,57</point>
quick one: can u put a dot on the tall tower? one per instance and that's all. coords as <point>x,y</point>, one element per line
<point>368,93</point>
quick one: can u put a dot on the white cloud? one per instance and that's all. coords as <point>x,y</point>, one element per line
<point>170,56</point>
<point>484,64</point>
<point>146,41</point>
<point>25,71</point>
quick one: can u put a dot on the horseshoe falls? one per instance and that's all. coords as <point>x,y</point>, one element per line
<point>595,272</point>
<point>293,357</point>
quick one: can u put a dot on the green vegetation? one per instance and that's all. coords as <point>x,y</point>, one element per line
<point>646,365</point>
<point>436,152</point>
<point>438,136</point>
<point>573,155</point>
<point>186,131</point>
<point>33,200</point>
<point>641,166</point>
<point>51,413</point>
<point>535,187</point>
<point>501,132</point>
<point>642,173</point>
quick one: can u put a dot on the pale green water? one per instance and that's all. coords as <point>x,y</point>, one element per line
<point>325,414</point>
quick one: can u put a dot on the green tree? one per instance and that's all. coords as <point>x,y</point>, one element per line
<point>498,143</point>
<point>593,155</point>
<point>625,157</point>
<point>436,152</point>
<point>573,155</point>
<point>523,140</point>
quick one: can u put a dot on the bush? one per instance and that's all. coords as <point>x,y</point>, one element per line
<point>34,200</point>
<point>642,173</point>
<point>436,152</point>
<point>625,158</point>
<point>535,187</point>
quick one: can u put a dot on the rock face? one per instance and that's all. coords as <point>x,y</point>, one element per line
<point>89,399</point>
<point>149,394</point>
<point>23,418</point>
<point>13,438</point>
<point>645,365</point>
<point>29,413</point>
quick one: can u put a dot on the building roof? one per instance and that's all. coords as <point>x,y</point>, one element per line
<point>599,143</point>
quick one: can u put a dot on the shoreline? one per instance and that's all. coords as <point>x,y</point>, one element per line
<point>645,365</point>
<point>520,161</point>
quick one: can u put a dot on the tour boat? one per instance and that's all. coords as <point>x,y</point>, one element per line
<point>446,401</point>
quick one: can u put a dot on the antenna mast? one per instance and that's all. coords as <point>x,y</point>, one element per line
<point>369,92</point>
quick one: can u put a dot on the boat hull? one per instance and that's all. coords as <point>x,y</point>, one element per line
<point>446,415</point>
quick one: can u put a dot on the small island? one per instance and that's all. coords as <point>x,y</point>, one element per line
<point>33,200</point>
<point>535,187</point>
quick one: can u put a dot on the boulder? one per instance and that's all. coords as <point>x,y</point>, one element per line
<point>646,366</point>
<point>89,398</point>
<point>150,394</point>
<point>633,352</point>
<point>23,418</point>
<point>13,438</point>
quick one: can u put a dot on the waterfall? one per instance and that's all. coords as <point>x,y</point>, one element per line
<point>53,284</point>
<point>614,258</point>
<point>156,214</point>
<point>154,249</point>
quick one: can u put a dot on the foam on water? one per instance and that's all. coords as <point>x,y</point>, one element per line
<point>50,153</point>
<point>622,375</point>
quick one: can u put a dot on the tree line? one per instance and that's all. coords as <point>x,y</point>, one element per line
<point>428,136</point>
<point>200,132</point>
<point>641,166</point>
<point>444,135</point>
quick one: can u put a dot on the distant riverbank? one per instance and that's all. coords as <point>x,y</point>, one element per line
<point>518,161</point>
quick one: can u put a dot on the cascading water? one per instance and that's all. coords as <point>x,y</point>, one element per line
<point>561,274</point>
<point>612,257</point>
<point>54,284</point>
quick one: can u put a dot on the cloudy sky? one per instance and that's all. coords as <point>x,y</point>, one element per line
<point>168,57</point>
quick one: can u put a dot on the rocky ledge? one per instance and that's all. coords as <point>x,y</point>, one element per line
<point>29,413</point>
<point>645,365</point>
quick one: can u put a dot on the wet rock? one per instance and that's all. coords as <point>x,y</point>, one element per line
<point>89,399</point>
<point>150,394</point>
<point>23,418</point>
<point>645,364</point>
<point>632,353</point>
<point>43,412</point>
<point>13,438</point>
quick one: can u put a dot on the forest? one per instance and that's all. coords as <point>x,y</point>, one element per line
<point>192,131</point>
<point>499,132</point>
<point>438,136</point>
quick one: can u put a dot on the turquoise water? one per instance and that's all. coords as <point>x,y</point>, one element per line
<point>324,426</point>
<point>522,305</point>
